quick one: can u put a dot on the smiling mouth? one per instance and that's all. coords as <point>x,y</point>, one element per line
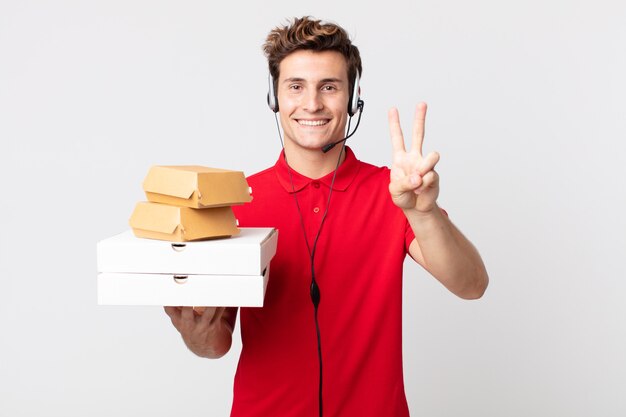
<point>304,122</point>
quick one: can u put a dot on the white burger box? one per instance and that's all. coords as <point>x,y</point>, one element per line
<point>230,272</point>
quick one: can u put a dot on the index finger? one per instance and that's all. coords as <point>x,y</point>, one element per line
<point>419,127</point>
<point>395,130</point>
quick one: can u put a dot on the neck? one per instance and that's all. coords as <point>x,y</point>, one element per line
<point>313,163</point>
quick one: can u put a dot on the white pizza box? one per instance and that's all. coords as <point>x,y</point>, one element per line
<point>245,254</point>
<point>182,290</point>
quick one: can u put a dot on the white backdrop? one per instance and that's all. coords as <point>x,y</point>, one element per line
<point>526,108</point>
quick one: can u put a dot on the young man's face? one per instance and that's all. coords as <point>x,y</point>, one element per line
<point>313,93</point>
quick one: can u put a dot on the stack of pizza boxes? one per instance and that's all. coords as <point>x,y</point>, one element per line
<point>176,253</point>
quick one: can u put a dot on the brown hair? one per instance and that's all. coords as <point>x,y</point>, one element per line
<point>309,34</point>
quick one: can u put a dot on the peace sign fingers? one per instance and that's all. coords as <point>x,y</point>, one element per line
<point>413,180</point>
<point>395,130</point>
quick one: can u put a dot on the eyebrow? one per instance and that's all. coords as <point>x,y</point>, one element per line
<point>323,80</point>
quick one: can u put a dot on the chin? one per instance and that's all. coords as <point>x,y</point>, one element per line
<point>310,144</point>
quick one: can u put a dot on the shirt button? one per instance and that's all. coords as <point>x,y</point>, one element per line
<point>316,210</point>
<point>316,184</point>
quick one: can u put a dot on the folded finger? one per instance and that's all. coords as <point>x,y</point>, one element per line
<point>404,184</point>
<point>431,179</point>
<point>428,164</point>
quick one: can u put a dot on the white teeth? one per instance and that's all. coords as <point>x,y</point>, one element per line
<point>312,122</point>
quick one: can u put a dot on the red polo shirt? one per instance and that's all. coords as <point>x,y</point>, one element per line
<point>358,267</point>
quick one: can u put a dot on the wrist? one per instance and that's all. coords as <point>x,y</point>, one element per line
<point>432,213</point>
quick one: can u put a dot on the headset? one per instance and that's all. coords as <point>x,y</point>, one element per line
<point>354,104</point>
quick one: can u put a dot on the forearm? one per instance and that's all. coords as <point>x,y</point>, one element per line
<point>447,254</point>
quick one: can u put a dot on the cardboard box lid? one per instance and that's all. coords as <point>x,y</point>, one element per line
<point>212,186</point>
<point>245,254</point>
<point>165,222</point>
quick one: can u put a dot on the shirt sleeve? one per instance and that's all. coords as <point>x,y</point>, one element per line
<point>409,236</point>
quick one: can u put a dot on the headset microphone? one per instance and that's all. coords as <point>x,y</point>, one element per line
<point>328,147</point>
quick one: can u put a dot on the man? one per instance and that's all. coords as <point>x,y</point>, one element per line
<point>355,223</point>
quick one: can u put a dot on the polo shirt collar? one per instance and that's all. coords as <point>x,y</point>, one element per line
<point>345,174</point>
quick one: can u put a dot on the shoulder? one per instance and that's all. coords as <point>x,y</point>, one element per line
<point>262,176</point>
<point>265,188</point>
<point>263,182</point>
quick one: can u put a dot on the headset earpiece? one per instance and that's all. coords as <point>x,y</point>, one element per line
<point>272,99</point>
<point>355,100</point>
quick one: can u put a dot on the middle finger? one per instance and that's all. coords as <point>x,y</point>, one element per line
<point>418,128</point>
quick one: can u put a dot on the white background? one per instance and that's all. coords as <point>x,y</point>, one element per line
<point>526,108</point>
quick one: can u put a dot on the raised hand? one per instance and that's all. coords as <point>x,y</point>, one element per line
<point>413,184</point>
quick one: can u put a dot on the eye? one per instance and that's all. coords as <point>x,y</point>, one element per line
<point>295,87</point>
<point>329,87</point>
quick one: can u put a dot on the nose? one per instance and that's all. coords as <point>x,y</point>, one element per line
<point>313,101</point>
